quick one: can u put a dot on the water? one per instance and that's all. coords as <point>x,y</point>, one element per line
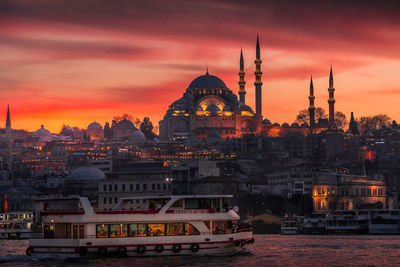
<point>268,250</point>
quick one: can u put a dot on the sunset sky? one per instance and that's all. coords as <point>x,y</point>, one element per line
<point>73,62</point>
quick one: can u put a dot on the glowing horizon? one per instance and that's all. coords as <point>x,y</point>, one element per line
<point>75,63</point>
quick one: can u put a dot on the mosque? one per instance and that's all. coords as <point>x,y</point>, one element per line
<point>209,109</point>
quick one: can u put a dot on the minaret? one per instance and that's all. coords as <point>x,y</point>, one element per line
<point>258,83</point>
<point>353,127</point>
<point>331,102</point>
<point>242,82</point>
<point>311,108</point>
<point>9,142</point>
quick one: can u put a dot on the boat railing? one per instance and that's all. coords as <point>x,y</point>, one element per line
<point>192,211</point>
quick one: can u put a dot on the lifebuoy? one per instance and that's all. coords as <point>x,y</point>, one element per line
<point>28,251</point>
<point>159,248</point>
<point>141,249</point>
<point>252,241</point>
<point>122,251</point>
<point>102,251</point>
<point>237,243</point>
<point>83,251</point>
<point>195,247</point>
<point>176,248</point>
<point>243,242</point>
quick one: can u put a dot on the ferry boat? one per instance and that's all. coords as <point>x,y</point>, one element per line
<point>315,224</point>
<point>291,225</point>
<point>16,225</point>
<point>140,226</point>
<point>347,222</point>
<point>384,222</point>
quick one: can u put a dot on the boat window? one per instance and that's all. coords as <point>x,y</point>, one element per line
<point>48,231</point>
<point>178,203</point>
<point>102,230</point>
<point>118,230</point>
<point>191,230</point>
<point>156,229</point>
<point>175,229</point>
<point>137,229</point>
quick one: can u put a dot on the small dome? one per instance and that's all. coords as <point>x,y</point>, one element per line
<point>126,124</point>
<point>245,108</point>
<point>227,108</point>
<point>295,125</point>
<point>199,108</point>
<point>285,125</point>
<point>87,173</point>
<point>276,124</point>
<point>266,121</point>
<point>212,108</point>
<point>214,135</point>
<point>95,126</point>
<point>207,81</point>
<point>137,137</point>
<point>304,125</point>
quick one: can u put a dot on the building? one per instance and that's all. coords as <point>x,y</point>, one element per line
<point>348,192</point>
<point>209,108</point>
<point>95,131</point>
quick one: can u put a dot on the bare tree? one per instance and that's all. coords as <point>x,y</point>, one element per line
<point>373,122</point>
<point>304,116</point>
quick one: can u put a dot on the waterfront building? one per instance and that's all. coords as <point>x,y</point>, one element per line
<point>333,191</point>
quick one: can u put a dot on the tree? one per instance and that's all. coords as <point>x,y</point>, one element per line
<point>373,122</point>
<point>124,116</point>
<point>146,127</point>
<point>340,120</point>
<point>128,117</point>
<point>304,116</point>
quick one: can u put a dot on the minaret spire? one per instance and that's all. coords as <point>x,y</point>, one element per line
<point>258,83</point>
<point>207,71</point>
<point>311,108</point>
<point>8,121</point>
<point>242,82</point>
<point>9,143</point>
<point>331,101</point>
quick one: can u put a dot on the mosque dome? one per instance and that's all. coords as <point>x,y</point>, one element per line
<point>95,126</point>
<point>137,137</point>
<point>207,81</point>
<point>245,108</point>
<point>87,173</point>
<point>227,108</point>
<point>285,125</point>
<point>266,121</point>
<point>304,125</point>
<point>126,124</point>
<point>42,132</point>
<point>276,124</point>
<point>294,125</point>
<point>213,108</point>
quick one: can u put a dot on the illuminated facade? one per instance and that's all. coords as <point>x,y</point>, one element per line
<point>348,192</point>
<point>210,108</point>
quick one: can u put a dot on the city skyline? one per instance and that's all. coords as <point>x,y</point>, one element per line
<point>111,59</point>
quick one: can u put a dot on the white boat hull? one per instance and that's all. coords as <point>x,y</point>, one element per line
<point>207,245</point>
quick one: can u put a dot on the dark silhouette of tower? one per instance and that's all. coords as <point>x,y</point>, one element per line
<point>331,101</point>
<point>258,83</point>
<point>353,127</point>
<point>311,108</point>
<point>242,82</point>
<point>9,143</point>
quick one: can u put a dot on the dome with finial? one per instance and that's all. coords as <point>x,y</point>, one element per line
<point>42,132</point>
<point>95,126</point>
<point>207,81</point>
<point>213,108</point>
